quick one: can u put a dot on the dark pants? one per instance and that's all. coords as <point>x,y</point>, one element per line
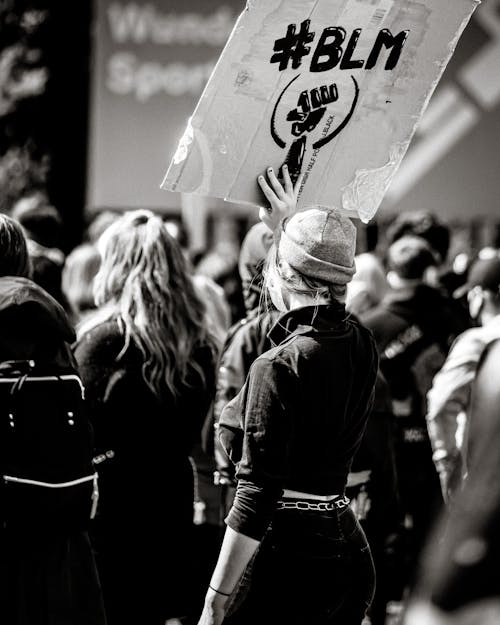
<point>313,568</point>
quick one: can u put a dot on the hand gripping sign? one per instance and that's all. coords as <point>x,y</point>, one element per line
<point>333,88</point>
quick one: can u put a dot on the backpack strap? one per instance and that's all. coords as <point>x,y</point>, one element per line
<point>14,391</point>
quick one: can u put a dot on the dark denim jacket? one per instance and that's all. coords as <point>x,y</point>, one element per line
<point>299,419</point>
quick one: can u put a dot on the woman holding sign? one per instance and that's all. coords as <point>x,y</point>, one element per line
<point>293,551</point>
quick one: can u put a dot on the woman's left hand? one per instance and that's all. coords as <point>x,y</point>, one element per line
<point>213,610</point>
<point>282,197</point>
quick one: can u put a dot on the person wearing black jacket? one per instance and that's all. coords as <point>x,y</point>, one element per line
<point>47,576</point>
<point>293,550</point>
<point>147,361</point>
<point>414,327</point>
<point>246,340</point>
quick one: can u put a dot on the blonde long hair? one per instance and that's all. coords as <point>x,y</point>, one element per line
<point>144,283</point>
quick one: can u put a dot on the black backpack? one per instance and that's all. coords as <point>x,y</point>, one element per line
<point>48,480</point>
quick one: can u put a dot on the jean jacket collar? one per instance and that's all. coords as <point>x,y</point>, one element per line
<point>307,320</point>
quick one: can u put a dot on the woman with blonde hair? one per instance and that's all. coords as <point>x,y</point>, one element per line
<point>147,361</point>
<point>293,551</point>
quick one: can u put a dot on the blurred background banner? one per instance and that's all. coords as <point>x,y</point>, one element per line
<point>151,61</point>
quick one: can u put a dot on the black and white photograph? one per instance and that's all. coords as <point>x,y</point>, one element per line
<point>250,312</point>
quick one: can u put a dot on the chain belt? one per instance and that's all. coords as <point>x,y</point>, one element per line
<point>322,506</point>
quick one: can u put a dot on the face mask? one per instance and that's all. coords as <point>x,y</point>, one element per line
<point>276,295</point>
<point>475,299</point>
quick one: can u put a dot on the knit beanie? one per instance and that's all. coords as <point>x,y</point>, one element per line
<point>319,243</point>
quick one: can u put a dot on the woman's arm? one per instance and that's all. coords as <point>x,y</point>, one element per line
<point>262,469</point>
<point>235,554</point>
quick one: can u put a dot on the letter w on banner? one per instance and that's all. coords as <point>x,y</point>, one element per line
<point>333,88</point>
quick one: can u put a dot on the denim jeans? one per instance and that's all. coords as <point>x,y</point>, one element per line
<point>312,568</point>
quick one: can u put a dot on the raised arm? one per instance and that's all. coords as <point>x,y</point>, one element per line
<point>282,197</point>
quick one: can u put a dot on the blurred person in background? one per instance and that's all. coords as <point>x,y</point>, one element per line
<point>147,362</point>
<point>368,286</point>
<point>42,226</point>
<point>80,269</point>
<point>414,326</point>
<point>217,310</point>
<point>99,224</point>
<point>46,577</point>
<point>246,340</point>
<point>221,265</point>
<point>254,248</point>
<point>459,581</point>
<point>372,483</point>
<point>443,275</point>
<point>293,551</point>
<point>427,226</point>
<point>449,399</point>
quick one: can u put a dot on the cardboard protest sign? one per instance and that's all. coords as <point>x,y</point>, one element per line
<point>333,88</point>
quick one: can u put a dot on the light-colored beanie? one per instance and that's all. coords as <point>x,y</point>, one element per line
<point>319,243</point>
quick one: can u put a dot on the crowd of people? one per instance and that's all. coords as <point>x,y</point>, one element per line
<point>343,429</point>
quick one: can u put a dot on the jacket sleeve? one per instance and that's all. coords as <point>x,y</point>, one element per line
<point>244,345</point>
<point>460,565</point>
<point>449,398</point>
<point>233,368</point>
<point>231,375</point>
<point>268,430</point>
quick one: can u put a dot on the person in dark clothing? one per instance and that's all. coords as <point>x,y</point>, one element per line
<point>425,225</point>
<point>372,484</point>
<point>413,326</point>
<point>254,249</point>
<point>458,581</point>
<point>373,489</point>
<point>42,226</point>
<point>46,577</point>
<point>246,340</point>
<point>293,551</point>
<point>147,361</point>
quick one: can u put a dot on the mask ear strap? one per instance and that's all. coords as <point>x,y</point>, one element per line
<point>279,292</point>
<point>474,308</point>
<point>276,291</point>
